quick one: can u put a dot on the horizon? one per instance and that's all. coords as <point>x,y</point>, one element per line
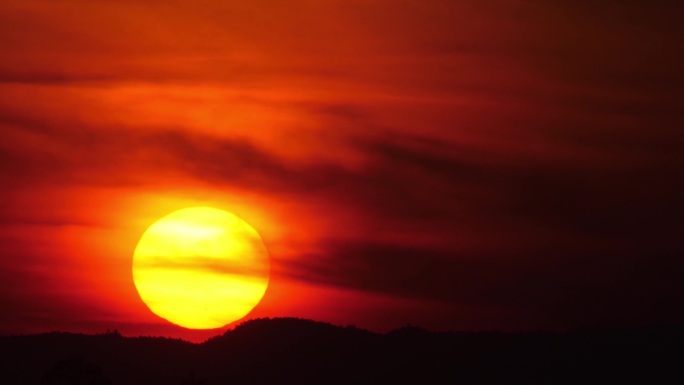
<point>670,327</point>
<point>303,351</point>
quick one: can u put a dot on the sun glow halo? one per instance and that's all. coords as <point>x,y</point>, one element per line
<point>201,268</point>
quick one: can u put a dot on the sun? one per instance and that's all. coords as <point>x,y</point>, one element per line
<point>201,268</point>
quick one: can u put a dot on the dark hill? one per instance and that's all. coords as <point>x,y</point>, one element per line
<point>295,351</point>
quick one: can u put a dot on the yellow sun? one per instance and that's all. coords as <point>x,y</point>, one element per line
<point>201,268</point>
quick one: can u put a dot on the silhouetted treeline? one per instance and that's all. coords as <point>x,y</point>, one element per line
<point>295,351</point>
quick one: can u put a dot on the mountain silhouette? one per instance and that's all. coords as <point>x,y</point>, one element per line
<point>297,351</point>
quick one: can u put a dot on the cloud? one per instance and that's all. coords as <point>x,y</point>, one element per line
<point>564,284</point>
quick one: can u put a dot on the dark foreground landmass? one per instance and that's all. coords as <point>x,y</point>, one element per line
<point>295,351</point>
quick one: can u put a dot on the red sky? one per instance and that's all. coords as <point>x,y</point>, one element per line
<point>458,165</point>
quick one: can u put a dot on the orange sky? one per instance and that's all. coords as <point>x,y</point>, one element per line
<point>451,164</point>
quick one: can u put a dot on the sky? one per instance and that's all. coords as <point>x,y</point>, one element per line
<point>455,165</point>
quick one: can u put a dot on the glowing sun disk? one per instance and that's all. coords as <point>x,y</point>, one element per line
<point>201,268</point>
